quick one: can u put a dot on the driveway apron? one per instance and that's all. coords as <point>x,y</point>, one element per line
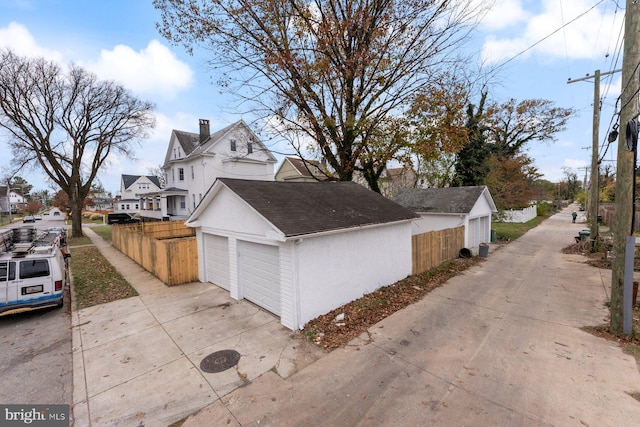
<point>137,361</point>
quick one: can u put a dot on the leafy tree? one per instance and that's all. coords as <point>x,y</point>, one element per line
<point>438,132</point>
<point>61,200</point>
<point>333,72</point>
<point>471,163</point>
<point>67,122</point>
<point>511,125</point>
<point>33,207</point>
<point>572,183</point>
<point>510,181</point>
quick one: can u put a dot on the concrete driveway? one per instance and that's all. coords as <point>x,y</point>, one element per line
<point>137,361</point>
<point>501,344</point>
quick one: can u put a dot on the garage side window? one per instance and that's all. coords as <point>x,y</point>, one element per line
<point>34,268</point>
<point>6,267</point>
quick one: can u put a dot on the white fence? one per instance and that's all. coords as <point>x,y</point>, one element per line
<point>521,215</point>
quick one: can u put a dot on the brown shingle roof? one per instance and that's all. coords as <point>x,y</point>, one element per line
<point>298,208</point>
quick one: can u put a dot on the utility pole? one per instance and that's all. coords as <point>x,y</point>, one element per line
<point>623,235</point>
<point>594,183</point>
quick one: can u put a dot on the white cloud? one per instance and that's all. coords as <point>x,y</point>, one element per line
<point>18,38</point>
<point>153,70</point>
<point>591,35</point>
<point>503,14</point>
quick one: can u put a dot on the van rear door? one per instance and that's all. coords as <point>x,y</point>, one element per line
<point>35,281</point>
<point>8,284</point>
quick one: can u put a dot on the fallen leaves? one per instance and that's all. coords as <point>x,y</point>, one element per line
<point>336,328</point>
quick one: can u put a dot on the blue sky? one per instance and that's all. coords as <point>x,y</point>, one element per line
<point>117,39</point>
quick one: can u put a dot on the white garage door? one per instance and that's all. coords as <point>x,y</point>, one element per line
<point>217,260</point>
<point>259,270</point>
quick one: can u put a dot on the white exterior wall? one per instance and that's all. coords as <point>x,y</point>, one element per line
<point>337,268</point>
<point>520,216</point>
<point>435,222</point>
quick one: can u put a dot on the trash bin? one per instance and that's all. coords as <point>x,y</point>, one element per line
<point>483,250</point>
<point>584,234</point>
<point>494,236</point>
<point>464,253</point>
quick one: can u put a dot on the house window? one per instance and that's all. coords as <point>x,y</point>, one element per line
<point>137,206</point>
<point>181,174</point>
<point>200,196</point>
<point>183,202</point>
<point>173,175</point>
<point>233,145</point>
<point>193,174</point>
<point>193,198</point>
<point>127,206</point>
<point>250,147</point>
<point>174,153</point>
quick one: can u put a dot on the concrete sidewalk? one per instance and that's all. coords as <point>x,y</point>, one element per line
<point>137,361</point>
<point>501,344</point>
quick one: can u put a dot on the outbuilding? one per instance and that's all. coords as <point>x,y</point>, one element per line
<point>442,208</point>
<point>300,249</point>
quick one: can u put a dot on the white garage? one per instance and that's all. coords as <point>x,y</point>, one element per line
<point>300,249</point>
<point>442,208</point>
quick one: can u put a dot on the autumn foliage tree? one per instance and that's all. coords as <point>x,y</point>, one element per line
<point>67,122</point>
<point>332,73</point>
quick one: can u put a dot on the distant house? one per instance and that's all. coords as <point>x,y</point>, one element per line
<point>5,204</point>
<point>133,188</point>
<point>193,161</point>
<point>300,249</point>
<point>295,169</point>
<point>442,208</point>
<point>395,180</point>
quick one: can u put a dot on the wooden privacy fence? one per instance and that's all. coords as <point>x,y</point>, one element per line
<point>165,249</point>
<point>435,247</point>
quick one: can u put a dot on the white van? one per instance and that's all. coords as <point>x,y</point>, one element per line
<point>33,270</point>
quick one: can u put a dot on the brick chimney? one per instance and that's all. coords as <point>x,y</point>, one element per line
<point>204,130</point>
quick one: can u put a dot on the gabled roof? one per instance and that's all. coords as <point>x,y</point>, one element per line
<point>129,180</point>
<point>190,142</point>
<point>300,208</point>
<point>444,200</point>
<point>311,169</point>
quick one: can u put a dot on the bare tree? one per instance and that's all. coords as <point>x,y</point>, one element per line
<point>67,122</point>
<point>333,72</point>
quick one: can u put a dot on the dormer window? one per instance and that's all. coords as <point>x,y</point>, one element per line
<point>233,145</point>
<point>249,147</point>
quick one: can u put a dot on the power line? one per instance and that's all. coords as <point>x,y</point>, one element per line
<point>549,35</point>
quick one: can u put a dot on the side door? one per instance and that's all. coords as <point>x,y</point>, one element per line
<point>8,283</point>
<point>35,280</point>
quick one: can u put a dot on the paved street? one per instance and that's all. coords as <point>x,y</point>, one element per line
<point>499,345</point>
<point>35,356</point>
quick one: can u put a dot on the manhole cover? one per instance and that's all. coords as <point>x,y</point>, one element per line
<point>220,361</point>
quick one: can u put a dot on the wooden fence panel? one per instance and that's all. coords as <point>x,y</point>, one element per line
<point>172,260</point>
<point>435,247</point>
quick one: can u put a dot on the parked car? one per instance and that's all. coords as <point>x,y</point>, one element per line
<point>121,218</point>
<point>28,218</point>
<point>37,217</point>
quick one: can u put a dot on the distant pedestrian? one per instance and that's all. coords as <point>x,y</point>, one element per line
<point>574,215</point>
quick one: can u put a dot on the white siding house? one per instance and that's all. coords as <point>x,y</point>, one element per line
<point>133,188</point>
<point>300,249</point>
<point>193,161</point>
<point>442,208</point>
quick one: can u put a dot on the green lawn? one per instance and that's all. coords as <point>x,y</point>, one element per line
<point>511,230</point>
